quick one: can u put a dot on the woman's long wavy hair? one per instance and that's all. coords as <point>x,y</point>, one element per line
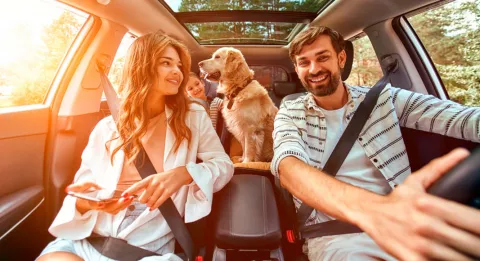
<point>139,77</point>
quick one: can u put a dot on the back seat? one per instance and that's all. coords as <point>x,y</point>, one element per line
<point>260,236</point>
<point>232,146</point>
<point>280,90</point>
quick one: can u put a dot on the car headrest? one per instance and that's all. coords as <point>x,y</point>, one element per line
<point>282,89</point>
<point>348,64</point>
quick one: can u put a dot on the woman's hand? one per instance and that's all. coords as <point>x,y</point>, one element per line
<point>157,188</point>
<point>112,206</point>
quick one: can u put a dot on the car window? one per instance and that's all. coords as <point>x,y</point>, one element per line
<point>33,43</point>
<point>266,75</point>
<point>115,72</point>
<point>451,36</point>
<point>366,70</point>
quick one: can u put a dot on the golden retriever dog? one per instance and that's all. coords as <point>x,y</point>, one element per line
<point>247,109</point>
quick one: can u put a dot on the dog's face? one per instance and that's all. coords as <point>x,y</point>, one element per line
<point>224,62</point>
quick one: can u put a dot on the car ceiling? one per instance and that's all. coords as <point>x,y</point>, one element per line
<point>349,17</point>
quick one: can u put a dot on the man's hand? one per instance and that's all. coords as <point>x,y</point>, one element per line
<point>155,189</point>
<point>413,225</point>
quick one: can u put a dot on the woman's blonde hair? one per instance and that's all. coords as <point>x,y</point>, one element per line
<point>139,77</point>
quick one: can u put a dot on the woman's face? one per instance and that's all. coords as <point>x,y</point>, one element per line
<point>169,73</point>
<point>196,88</point>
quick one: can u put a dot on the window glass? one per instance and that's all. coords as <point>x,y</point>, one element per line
<point>243,32</point>
<point>237,29</point>
<point>266,75</point>
<point>115,73</point>
<point>270,5</point>
<point>36,35</point>
<point>451,36</point>
<point>366,70</point>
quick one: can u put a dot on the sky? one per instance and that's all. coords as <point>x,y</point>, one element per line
<point>174,4</point>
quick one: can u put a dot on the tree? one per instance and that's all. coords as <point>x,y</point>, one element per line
<point>57,37</point>
<point>366,70</point>
<point>451,35</point>
<point>237,32</point>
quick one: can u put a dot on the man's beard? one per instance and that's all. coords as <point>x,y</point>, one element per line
<point>325,89</point>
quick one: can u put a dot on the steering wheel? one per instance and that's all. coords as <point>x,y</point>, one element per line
<point>462,183</point>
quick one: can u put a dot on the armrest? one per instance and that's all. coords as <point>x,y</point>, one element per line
<point>16,206</point>
<point>247,215</point>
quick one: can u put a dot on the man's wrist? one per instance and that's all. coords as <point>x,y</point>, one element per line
<point>361,214</point>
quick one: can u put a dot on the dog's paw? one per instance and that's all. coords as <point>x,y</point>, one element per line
<point>246,160</point>
<point>237,159</point>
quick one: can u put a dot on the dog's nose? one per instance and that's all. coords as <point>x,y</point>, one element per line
<point>200,64</point>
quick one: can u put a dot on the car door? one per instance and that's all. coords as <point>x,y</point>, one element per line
<point>39,43</point>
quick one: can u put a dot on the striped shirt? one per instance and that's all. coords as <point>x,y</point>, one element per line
<point>300,129</point>
<point>214,110</point>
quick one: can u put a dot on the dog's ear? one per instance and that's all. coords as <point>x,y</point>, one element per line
<point>235,66</point>
<point>233,62</point>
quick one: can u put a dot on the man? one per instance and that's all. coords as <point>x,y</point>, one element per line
<point>373,188</point>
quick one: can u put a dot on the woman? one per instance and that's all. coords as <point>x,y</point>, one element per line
<point>155,114</point>
<point>196,90</point>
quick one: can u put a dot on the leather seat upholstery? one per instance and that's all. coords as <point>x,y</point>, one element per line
<point>280,90</point>
<point>247,215</point>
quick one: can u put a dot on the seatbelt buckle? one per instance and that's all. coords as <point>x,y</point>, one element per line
<point>199,258</point>
<point>290,236</point>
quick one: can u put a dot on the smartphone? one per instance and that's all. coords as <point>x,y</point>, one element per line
<point>91,196</point>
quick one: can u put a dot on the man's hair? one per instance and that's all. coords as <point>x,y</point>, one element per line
<point>309,36</point>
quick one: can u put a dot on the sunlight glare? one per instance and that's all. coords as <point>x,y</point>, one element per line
<point>21,24</point>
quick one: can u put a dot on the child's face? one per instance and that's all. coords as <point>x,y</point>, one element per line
<point>195,88</point>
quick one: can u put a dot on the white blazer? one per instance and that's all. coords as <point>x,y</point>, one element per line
<point>193,201</point>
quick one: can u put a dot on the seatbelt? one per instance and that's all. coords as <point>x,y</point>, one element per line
<point>347,140</point>
<point>168,209</point>
<point>334,162</point>
<point>118,249</point>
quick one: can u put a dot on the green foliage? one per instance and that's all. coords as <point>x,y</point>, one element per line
<point>451,35</point>
<point>238,32</point>
<point>270,5</point>
<point>32,78</point>
<point>366,70</point>
<point>462,83</point>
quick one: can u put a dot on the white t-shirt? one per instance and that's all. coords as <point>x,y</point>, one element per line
<point>357,169</point>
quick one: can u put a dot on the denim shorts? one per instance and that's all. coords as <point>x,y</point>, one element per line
<point>59,245</point>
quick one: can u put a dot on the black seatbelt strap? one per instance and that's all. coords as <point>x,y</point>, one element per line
<point>168,209</point>
<point>118,249</point>
<point>347,140</point>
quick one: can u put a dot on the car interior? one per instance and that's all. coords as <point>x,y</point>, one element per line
<point>41,144</point>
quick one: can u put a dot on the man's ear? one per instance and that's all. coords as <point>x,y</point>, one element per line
<point>342,59</point>
<point>296,68</point>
